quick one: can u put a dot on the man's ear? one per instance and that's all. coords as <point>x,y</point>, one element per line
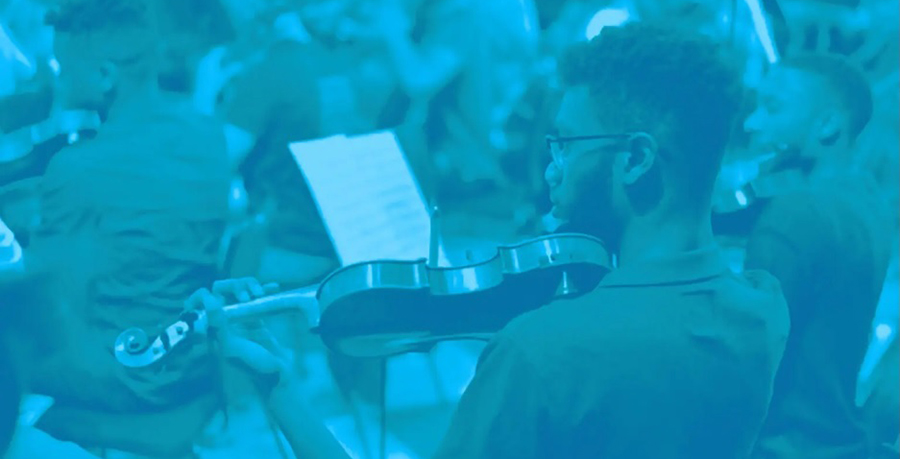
<point>829,126</point>
<point>109,76</point>
<point>641,155</point>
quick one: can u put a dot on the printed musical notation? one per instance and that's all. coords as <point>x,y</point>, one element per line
<point>367,196</point>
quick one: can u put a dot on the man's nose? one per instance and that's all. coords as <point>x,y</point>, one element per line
<point>553,174</point>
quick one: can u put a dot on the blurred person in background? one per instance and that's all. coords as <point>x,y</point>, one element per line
<point>191,29</point>
<point>462,85</point>
<point>26,44</point>
<point>827,241</point>
<point>272,101</point>
<point>139,211</point>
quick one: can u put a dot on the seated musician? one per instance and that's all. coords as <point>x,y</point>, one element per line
<point>138,213</point>
<point>465,83</point>
<point>273,102</point>
<point>828,243</point>
<point>672,355</point>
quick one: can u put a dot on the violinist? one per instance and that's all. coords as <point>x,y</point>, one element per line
<point>672,355</point>
<point>828,243</point>
<point>137,212</point>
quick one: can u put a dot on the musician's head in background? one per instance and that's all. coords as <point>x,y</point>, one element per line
<point>810,108</point>
<point>189,30</point>
<point>673,98</point>
<point>108,51</point>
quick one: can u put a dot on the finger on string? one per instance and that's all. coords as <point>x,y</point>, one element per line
<point>201,299</point>
<point>232,289</point>
<point>255,288</point>
<point>271,287</point>
<point>211,301</point>
<point>241,290</point>
<point>223,286</point>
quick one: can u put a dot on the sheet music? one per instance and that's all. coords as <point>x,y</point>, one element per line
<point>367,196</point>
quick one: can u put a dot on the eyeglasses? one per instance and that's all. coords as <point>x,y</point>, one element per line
<point>556,144</point>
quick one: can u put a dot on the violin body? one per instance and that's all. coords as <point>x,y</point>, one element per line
<point>383,308</point>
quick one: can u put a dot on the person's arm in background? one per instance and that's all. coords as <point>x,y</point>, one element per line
<point>783,243</point>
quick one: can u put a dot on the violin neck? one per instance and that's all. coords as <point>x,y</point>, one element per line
<point>303,299</point>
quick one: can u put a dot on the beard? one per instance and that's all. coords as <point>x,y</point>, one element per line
<point>594,212</point>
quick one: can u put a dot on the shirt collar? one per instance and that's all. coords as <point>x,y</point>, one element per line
<point>685,267</point>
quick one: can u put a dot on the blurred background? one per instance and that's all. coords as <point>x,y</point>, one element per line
<point>470,109</point>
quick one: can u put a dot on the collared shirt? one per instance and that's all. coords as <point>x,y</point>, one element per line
<point>829,246</point>
<point>136,216</point>
<point>667,358</point>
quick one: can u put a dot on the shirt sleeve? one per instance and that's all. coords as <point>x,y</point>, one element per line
<point>503,410</point>
<point>784,243</point>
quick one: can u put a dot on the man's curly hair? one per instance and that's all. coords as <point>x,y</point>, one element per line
<point>675,86</point>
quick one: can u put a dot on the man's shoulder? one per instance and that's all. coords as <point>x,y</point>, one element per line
<point>825,198</point>
<point>78,159</point>
<point>584,322</point>
<point>758,294</point>
<point>802,218</point>
<point>825,214</point>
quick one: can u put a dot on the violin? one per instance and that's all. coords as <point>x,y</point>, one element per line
<point>389,307</point>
